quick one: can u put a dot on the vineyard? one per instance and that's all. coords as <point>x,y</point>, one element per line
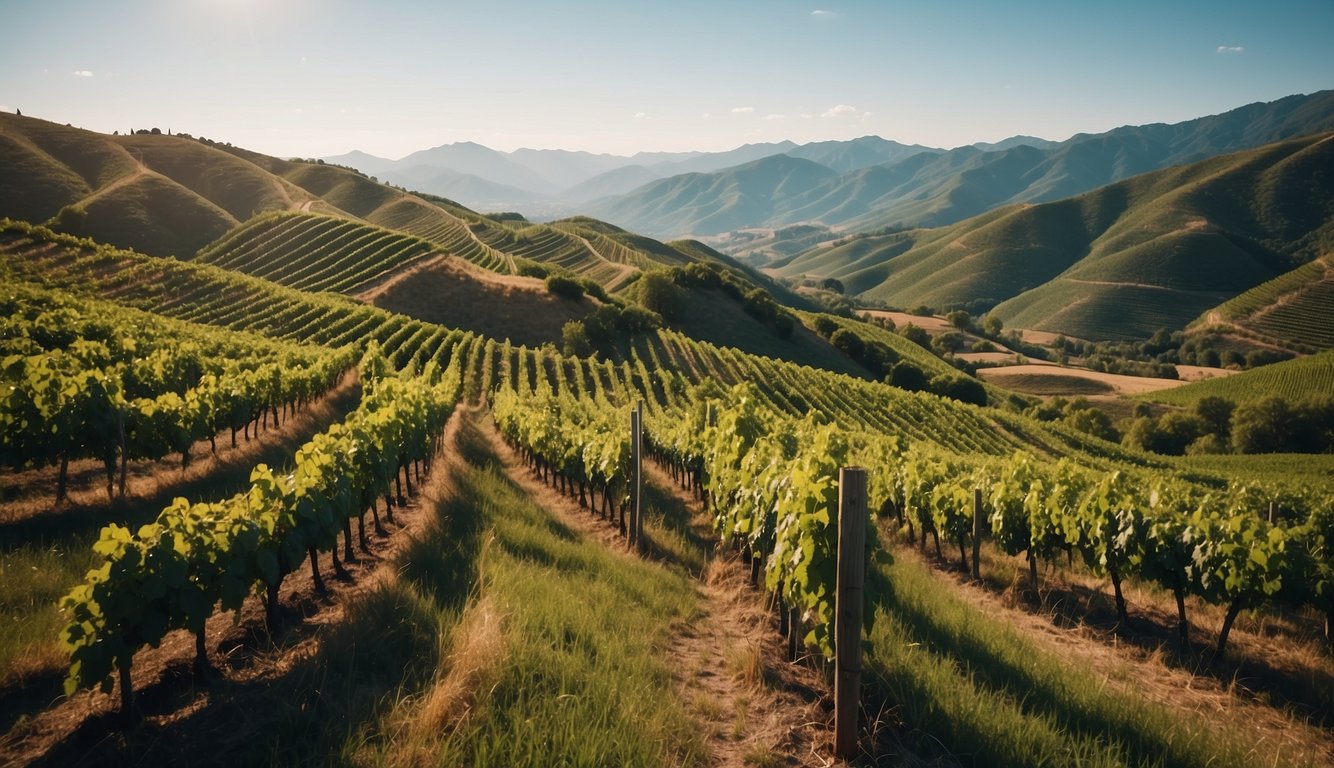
<point>314,253</point>
<point>110,356</point>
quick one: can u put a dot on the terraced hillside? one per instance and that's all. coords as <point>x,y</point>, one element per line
<point>1291,380</point>
<point>1295,309</point>
<point>1151,252</point>
<point>314,252</point>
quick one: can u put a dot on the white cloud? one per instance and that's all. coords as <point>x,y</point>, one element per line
<point>773,117</point>
<point>82,73</point>
<point>640,115</point>
<point>303,60</point>
<point>823,14</point>
<point>841,110</point>
<point>742,110</point>
<point>704,116</point>
<point>1231,48</point>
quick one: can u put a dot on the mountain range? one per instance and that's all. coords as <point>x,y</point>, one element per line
<point>937,188</point>
<point>1153,251</point>
<point>558,179</point>
<point>864,184</point>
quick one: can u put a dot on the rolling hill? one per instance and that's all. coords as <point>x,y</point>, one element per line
<point>174,195</point>
<point>1292,380</point>
<point>1295,309</point>
<point>161,195</point>
<point>1150,252</point>
<point>938,188</point>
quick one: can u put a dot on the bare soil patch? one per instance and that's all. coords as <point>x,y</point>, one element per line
<point>455,293</point>
<point>1027,378</point>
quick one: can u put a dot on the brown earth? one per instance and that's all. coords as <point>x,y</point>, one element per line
<point>458,294</point>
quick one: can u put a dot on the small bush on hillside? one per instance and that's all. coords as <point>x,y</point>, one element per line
<point>905,375</point>
<point>564,287</point>
<point>659,293</point>
<point>532,269</point>
<point>825,326</point>
<point>916,335</point>
<point>594,288</point>
<point>961,388</point>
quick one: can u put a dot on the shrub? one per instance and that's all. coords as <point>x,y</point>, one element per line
<point>961,388</point>
<point>905,375</point>
<point>564,287</point>
<point>916,335</point>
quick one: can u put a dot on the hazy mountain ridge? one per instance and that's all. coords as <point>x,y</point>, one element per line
<point>939,188</point>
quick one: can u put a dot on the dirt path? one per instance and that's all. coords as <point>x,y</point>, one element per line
<point>167,690</point>
<point>728,661</point>
<point>730,667</point>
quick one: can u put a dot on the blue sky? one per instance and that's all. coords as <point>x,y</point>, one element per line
<point>321,77</point>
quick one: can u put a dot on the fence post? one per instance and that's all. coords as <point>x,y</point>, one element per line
<point>977,532</point>
<point>638,449</point>
<point>848,608</point>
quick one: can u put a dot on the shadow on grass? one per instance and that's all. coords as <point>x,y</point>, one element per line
<point>1309,691</point>
<point>316,707</point>
<point>78,524</point>
<point>983,657</point>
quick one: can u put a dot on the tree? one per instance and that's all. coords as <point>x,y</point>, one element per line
<point>1216,413</point>
<point>960,319</point>
<point>848,343</point>
<point>574,339</point>
<point>916,335</point>
<point>564,287</point>
<point>1262,426</point>
<point>658,293</point>
<point>961,388</point>
<point>992,325</point>
<point>905,375</point>
<point>1176,430</point>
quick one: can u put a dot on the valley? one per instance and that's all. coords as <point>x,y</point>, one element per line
<point>306,461</point>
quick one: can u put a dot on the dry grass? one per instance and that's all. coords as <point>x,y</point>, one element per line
<point>454,293</point>
<point>472,667</point>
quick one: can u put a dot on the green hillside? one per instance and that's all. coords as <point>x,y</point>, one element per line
<point>313,252</point>
<point>159,194</point>
<point>1291,379</point>
<point>1295,309</point>
<point>1151,252</point>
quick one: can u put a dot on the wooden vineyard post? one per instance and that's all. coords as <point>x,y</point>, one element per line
<point>639,475</point>
<point>636,527</point>
<point>849,597</point>
<point>977,532</point>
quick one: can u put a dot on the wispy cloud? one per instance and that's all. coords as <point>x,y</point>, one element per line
<point>841,110</point>
<point>774,117</point>
<point>823,14</point>
<point>641,115</point>
<point>1231,48</point>
<point>82,73</point>
<point>742,110</point>
<point>705,116</point>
